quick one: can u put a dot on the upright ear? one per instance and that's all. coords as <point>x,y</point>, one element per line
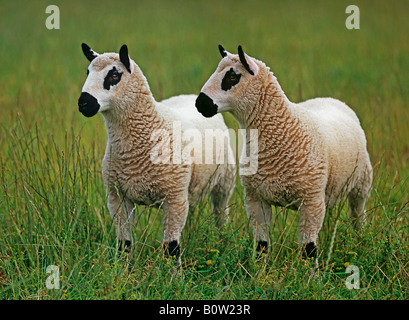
<point>124,57</point>
<point>88,52</point>
<point>223,52</point>
<point>248,62</point>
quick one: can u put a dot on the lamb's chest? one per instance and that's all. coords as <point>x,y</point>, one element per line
<point>141,189</point>
<point>137,185</point>
<point>272,190</point>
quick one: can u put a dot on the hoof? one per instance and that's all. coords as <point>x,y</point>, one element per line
<point>172,249</point>
<point>124,246</point>
<point>262,246</point>
<point>310,251</point>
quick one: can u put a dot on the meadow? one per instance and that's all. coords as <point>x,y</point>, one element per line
<point>52,199</point>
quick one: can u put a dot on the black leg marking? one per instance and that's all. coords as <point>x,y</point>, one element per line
<point>310,251</point>
<point>262,246</point>
<point>125,246</point>
<point>172,249</point>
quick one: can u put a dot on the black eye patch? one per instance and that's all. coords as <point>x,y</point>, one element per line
<point>112,78</point>
<point>230,79</point>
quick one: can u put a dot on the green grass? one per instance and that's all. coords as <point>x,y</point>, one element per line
<point>52,199</point>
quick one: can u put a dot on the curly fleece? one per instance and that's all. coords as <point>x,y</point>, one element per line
<point>131,116</point>
<point>310,154</point>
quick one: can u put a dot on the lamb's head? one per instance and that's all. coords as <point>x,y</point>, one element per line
<point>233,82</point>
<point>107,78</point>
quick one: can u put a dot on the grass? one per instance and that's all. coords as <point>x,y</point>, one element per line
<point>52,199</point>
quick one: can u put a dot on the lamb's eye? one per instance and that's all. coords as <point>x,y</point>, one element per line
<point>112,78</point>
<point>115,75</point>
<point>230,79</point>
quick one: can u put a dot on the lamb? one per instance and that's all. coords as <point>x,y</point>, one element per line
<point>310,154</point>
<point>136,124</point>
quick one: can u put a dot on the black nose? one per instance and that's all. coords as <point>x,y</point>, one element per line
<point>87,104</point>
<point>205,105</point>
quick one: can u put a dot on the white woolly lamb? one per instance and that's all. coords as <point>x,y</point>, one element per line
<point>136,124</point>
<point>310,154</point>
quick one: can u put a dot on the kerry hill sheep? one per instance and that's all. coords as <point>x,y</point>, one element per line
<point>116,87</point>
<point>310,154</point>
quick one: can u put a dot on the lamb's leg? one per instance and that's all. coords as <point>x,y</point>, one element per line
<point>122,213</point>
<point>357,198</point>
<point>220,195</point>
<point>175,209</point>
<point>219,206</point>
<point>259,214</point>
<point>312,212</point>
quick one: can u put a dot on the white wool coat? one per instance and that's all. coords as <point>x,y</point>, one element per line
<point>310,154</point>
<point>132,116</point>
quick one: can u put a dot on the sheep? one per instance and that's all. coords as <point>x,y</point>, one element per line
<point>310,154</point>
<point>136,125</point>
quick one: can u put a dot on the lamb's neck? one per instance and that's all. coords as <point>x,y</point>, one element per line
<point>132,130</point>
<point>270,105</point>
<point>272,115</point>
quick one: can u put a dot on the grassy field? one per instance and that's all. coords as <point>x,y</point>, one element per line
<point>52,200</point>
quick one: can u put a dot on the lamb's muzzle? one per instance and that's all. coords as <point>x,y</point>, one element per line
<point>205,105</point>
<point>88,105</point>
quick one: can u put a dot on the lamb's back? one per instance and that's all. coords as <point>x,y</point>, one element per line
<point>342,137</point>
<point>182,108</point>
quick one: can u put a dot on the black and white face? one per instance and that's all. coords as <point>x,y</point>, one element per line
<point>227,85</point>
<point>106,75</point>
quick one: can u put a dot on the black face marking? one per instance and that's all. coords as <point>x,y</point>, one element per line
<point>112,78</point>
<point>87,72</point>
<point>172,249</point>
<point>230,79</point>
<point>310,251</point>
<point>204,104</point>
<point>88,105</point>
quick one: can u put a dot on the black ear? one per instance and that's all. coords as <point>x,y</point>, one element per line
<point>244,61</point>
<point>123,56</point>
<point>88,52</point>
<point>223,52</point>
